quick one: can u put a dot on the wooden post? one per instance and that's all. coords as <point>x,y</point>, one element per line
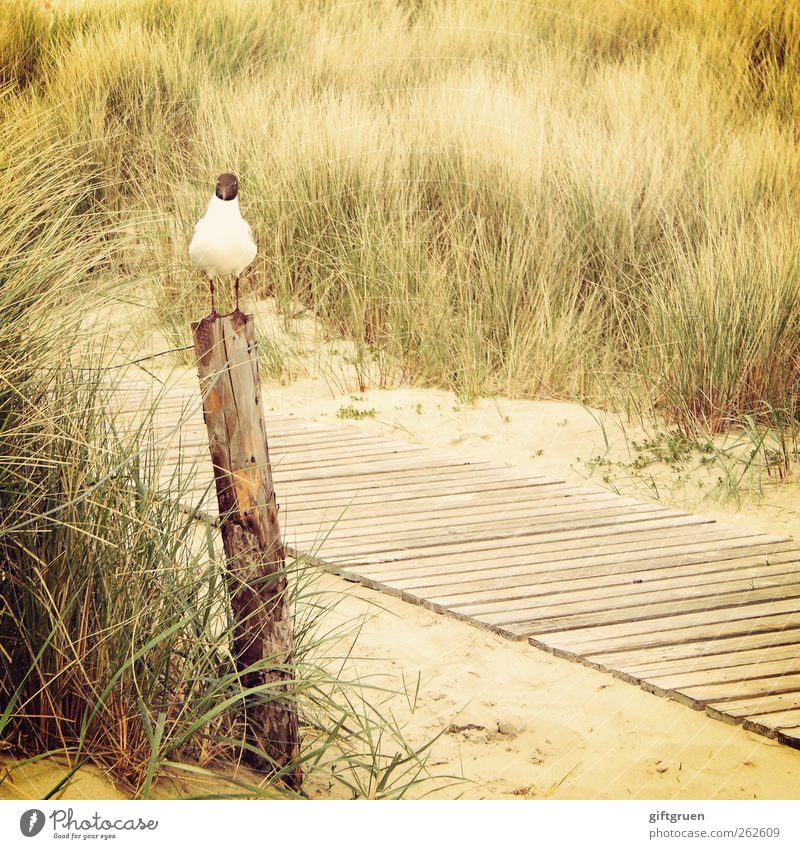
<point>232,408</point>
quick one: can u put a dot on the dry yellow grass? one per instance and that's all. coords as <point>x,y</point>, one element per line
<point>592,201</point>
<point>585,200</point>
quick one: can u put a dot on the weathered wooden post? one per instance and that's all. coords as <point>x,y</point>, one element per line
<point>232,408</point>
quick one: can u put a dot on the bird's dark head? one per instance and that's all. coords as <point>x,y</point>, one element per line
<point>227,187</point>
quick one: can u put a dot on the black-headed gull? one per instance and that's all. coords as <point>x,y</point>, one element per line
<point>223,241</point>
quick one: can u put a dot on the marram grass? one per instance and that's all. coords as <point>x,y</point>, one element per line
<point>491,197</point>
<point>114,621</point>
<point>582,200</point>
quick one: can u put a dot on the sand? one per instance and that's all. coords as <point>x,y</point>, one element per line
<point>509,720</point>
<point>536,726</point>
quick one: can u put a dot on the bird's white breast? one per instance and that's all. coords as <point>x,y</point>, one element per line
<point>223,241</point>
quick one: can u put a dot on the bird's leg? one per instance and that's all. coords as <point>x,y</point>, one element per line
<point>237,295</point>
<point>211,283</point>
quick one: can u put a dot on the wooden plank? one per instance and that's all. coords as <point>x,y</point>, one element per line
<point>701,648</point>
<point>400,541</point>
<point>290,463</point>
<point>665,570</point>
<point>350,468</point>
<point>562,540</point>
<point>530,568</point>
<point>771,723</point>
<point>430,498</point>
<point>606,585</point>
<point>301,441</point>
<point>668,630</point>
<point>729,660</point>
<point>755,705</point>
<point>587,598</point>
<point>789,737</point>
<point>311,456</point>
<point>357,523</point>
<point>371,470</point>
<point>447,484</point>
<point>451,477</point>
<point>375,480</point>
<point>493,568</point>
<point>298,431</point>
<point>391,533</point>
<point>741,672</point>
<point>302,438</point>
<point>514,518</point>
<point>419,500</point>
<point>422,490</point>
<point>512,539</point>
<point>636,609</point>
<point>337,454</point>
<point>453,504</point>
<point>699,696</point>
<point>450,485</point>
<point>368,477</point>
<point>351,535</point>
<point>559,544</point>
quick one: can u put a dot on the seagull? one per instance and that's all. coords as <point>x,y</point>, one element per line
<point>223,241</point>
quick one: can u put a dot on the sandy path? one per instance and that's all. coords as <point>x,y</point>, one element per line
<point>548,728</point>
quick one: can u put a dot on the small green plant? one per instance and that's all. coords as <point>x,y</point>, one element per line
<point>673,448</point>
<point>726,470</point>
<point>351,412</point>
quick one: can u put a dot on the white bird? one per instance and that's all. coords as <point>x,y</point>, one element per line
<point>223,241</point>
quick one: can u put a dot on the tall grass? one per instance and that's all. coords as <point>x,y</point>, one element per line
<point>114,620</point>
<point>595,201</point>
<point>496,197</point>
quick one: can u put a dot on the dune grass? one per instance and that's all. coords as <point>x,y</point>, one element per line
<point>115,628</point>
<point>594,201</point>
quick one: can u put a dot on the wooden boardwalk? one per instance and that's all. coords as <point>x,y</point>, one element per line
<point>675,603</point>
